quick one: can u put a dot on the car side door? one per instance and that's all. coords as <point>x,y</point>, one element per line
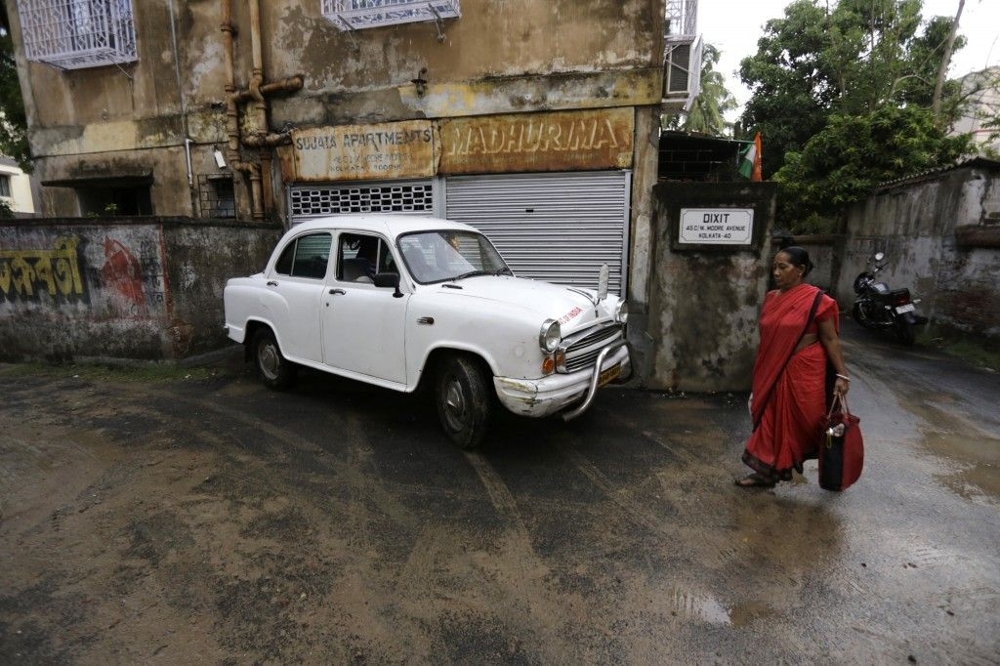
<point>363,325</point>
<point>297,284</point>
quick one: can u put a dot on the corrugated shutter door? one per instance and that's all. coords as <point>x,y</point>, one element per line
<point>555,227</point>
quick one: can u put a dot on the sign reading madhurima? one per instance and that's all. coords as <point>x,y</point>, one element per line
<point>716,226</point>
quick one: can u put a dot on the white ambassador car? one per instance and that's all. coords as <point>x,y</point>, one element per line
<point>401,302</point>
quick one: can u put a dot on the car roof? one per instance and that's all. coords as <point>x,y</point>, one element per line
<point>389,225</point>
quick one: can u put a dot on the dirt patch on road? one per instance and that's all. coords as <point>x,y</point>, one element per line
<point>127,536</point>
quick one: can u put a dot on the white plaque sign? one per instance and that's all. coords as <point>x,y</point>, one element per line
<point>716,226</point>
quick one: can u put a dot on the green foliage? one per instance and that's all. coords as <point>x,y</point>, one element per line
<point>842,96</point>
<point>5,210</point>
<point>844,162</point>
<point>707,115</point>
<point>13,120</point>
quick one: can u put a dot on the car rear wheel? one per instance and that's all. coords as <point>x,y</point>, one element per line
<point>464,401</point>
<point>275,371</point>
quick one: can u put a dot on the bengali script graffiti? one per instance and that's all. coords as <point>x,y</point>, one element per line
<point>26,274</point>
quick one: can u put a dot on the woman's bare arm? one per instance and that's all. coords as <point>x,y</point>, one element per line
<point>831,343</point>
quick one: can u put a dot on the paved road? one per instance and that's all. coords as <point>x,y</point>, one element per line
<point>209,521</point>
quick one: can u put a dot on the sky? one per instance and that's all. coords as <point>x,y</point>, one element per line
<point>734,26</point>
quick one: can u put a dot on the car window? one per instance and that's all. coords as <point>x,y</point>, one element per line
<point>361,256</point>
<point>307,256</point>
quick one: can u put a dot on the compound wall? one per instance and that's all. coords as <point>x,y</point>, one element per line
<point>143,288</point>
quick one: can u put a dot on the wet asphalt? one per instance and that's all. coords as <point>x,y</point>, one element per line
<point>618,538</point>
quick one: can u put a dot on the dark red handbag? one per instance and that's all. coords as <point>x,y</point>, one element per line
<point>841,447</point>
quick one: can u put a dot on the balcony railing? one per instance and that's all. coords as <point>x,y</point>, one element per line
<point>360,14</point>
<point>75,34</point>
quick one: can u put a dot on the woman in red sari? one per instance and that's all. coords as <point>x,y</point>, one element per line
<point>789,375</point>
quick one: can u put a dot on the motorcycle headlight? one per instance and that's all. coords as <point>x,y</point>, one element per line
<point>621,312</point>
<point>550,336</point>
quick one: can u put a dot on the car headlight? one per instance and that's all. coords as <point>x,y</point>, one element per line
<point>550,336</point>
<point>621,312</point>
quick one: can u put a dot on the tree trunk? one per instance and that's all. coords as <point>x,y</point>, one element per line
<point>945,60</point>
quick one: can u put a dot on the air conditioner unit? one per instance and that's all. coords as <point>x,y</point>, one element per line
<point>682,70</point>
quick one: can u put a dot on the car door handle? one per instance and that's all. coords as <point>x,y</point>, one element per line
<point>334,292</point>
<point>272,283</point>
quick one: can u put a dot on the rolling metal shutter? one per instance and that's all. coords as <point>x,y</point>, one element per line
<point>556,227</point>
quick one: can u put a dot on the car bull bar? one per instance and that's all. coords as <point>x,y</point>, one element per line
<point>595,378</point>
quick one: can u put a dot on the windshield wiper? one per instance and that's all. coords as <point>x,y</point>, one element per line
<point>504,271</point>
<point>471,274</point>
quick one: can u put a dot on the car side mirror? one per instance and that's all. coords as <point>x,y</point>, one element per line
<point>389,280</point>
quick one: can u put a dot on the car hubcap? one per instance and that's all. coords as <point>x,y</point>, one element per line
<point>267,357</point>
<point>454,406</point>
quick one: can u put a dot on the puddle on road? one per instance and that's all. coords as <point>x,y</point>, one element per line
<point>699,606</point>
<point>975,455</point>
<point>706,608</point>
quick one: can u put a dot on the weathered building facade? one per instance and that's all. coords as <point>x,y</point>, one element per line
<point>537,122</point>
<point>515,117</point>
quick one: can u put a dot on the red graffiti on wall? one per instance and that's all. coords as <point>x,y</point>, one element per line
<point>123,273</point>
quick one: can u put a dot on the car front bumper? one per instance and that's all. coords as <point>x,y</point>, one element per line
<point>558,392</point>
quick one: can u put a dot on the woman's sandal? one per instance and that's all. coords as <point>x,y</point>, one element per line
<point>755,480</point>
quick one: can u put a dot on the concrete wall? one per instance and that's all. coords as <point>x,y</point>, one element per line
<point>704,300</point>
<point>141,289</point>
<point>941,236</point>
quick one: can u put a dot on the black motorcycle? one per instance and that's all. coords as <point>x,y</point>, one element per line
<point>878,307</point>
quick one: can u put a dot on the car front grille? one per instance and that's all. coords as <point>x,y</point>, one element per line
<point>581,349</point>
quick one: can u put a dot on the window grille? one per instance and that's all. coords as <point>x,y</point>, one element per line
<point>682,18</point>
<point>76,34</point>
<point>360,14</point>
<point>406,198</point>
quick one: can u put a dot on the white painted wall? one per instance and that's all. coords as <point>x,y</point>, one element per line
<point>21,200</point>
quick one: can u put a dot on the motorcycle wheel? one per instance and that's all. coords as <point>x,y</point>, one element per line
<point>905,332</point>
<point>857,315</point>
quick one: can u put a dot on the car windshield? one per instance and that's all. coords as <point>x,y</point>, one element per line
<point>439,256</point>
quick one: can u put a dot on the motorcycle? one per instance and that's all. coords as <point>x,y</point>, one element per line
<point>878,307</point>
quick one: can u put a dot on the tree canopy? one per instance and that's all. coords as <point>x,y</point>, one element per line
<point>13,121</point>
<point>844,98</point>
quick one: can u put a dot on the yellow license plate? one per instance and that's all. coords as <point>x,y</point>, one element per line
<point>608,375</point>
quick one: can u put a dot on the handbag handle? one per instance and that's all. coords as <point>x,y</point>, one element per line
<point>837,397</point>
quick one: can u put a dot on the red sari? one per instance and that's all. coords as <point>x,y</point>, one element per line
<point>788,400</point>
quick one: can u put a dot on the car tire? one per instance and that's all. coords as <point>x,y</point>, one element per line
<point>464,401</point>
<point>275,371</point>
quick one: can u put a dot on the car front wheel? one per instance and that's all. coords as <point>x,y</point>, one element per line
<point>464,401</point>
<point>275,371</point>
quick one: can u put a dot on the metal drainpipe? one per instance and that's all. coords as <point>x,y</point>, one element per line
<point>261,200</point>
<point>232,115</point>
<point>180,94</point>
